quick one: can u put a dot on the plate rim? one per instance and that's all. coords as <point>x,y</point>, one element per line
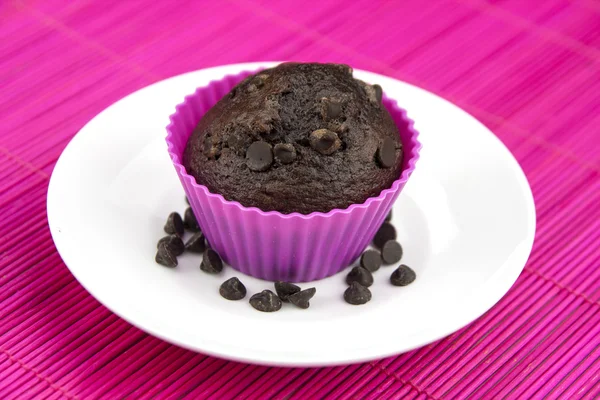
<point>481,307</point>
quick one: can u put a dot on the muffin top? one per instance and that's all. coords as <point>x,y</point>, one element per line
<point>297,138</point>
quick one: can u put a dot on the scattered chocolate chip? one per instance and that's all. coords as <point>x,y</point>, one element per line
<point>370,260</point>
<point>211,262</point>
<point>386,232</point>
<point>259,156</point>
<point>285,290</point>
<point>196,243</point>
<point>266,301</point>
<point>301,298</point>
<point>330,109</point>
<point>232,289</point>
<point>325,141</point>
<point>165,256</point>
<point>403,276</point>
<point>189,220</point>
<point>334,109</point>
<point>386,153</point>
<point>174,224</point>
<point>360,275</point>
<point>174,244</point>
<point>378,93</point>
<point>285,153</point>
<point>357,294</point>
<point>391,252</point>
<point>388,217</point>
<point>374,93</point>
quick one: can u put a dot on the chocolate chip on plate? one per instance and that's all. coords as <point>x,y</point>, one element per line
<point>403,276</point>
<point>174,244</point>
<point>360,275</point>
<point>266,301</point>
<point>189,220</point>
<point>391,252</point>
<point>388,217</point>
<point>301,298</point>
<point>370,260</point>
<point>165,256</point>
<point>386,153</point>
<point>174,224</point>
<point>325,141</point>
<point>285,153</point>
<point>357,294</point>
<point>386,232</point>
<point>259,156</point>
<point>285,289</point>
<point>232,289</point>
<point>211,262</point>
<point>196,243</point>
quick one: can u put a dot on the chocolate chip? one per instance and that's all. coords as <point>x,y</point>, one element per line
<point>301,298</point>
<point>325,141</point>
<point>370,260</point>
<point>174,224</point>
<point>334,109</point>
<point>391,252</point>
<point>357,294</point>
<point>374,93</point>
<point>378,93</point>
<point>388,217</point>
<point>285,153</point>
<point>196,243</point>
<point>259,156</point>
<point>285,290</point>
<point>232,289</point>
<point>403,276</point>
<point>266,301</point>
<point>211,262</point>
<point>386,153</point>
<point>189,220</point>
<point>165,256</point>
<point>360,275</point>
<point>330,109</point>
<point>386,232</point>
<point>174,244</point>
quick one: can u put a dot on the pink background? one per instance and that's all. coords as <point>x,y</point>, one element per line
<point>529,70</point>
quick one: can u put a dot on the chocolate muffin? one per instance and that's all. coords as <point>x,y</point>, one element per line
<point>297,138</point>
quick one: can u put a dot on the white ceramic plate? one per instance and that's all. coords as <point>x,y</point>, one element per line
<point>466,220</point>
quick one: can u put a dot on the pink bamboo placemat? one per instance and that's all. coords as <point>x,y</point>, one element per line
<point>528,70</point>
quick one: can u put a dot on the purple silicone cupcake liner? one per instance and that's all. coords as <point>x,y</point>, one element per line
<point>274,246</point>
